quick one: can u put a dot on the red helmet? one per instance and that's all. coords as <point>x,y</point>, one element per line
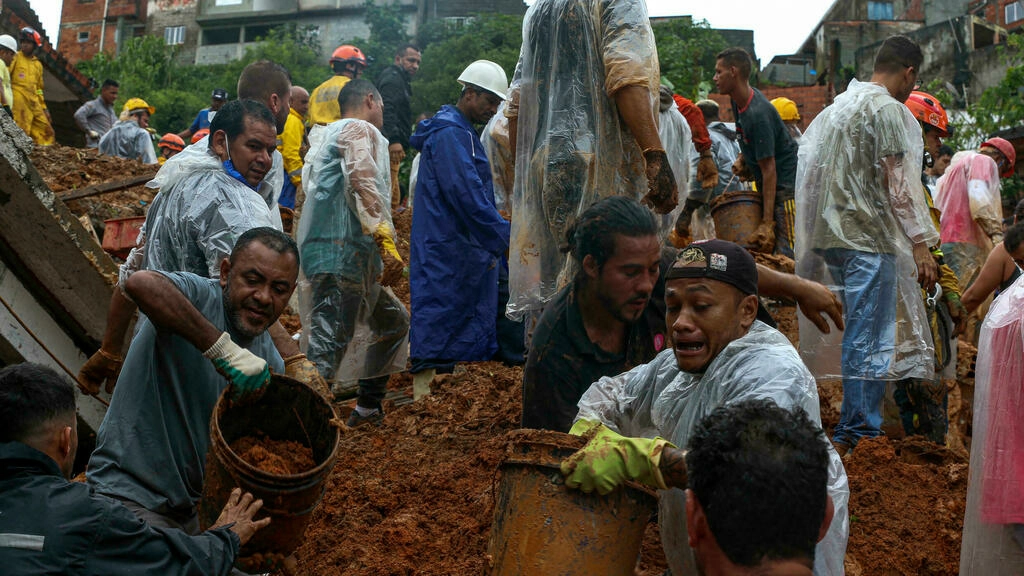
<point>348,53</point>
<point>1007,150</point>
<point>30,34</point>
<point>927,109</point>
<point>172,141</point>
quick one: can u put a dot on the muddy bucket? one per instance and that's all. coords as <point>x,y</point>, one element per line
<point>737,215</point>
<point>542,528</point>
<point>288,410</point>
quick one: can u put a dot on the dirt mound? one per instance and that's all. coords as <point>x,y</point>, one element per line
<point>281,457</point>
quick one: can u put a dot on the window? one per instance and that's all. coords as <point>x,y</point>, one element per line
<point>227,2</point>
<point>217,36</point>
<point>174,35</point>
<point>83,36</point>
<point>1014,11</point>
<point>254,33</point>
<point>879,10</point>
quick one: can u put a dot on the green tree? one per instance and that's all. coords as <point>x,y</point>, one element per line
<point>686,53</point>
<point>387,32</point>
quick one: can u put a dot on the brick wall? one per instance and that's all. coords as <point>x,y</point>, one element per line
<point>810,101</point>
<point>80,16</point>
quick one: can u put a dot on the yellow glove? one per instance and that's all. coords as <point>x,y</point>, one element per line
<point>300,368</point>
<point>383,237</point>
<point>610,459</point>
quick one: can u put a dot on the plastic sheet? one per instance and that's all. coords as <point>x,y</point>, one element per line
<point>572,148</point>
<point>499,154</point>
<point>860,202</point>
<point>127,140</point>
<point>676,138</point>
<point>354,328</point>
<point>969,191</point>
<point>198,215</point>
<point>995,494</point>
<point>658,399</point>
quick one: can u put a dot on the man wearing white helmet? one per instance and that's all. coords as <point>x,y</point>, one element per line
<point>458,236</point>
<point>8,47</point>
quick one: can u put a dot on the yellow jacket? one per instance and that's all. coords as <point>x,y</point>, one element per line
<point>291,144</point>
<point>323,102</point>
<point>27,78</point>
<point>5,81</point>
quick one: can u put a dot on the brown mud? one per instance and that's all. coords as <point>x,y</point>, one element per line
<point>280,457</point>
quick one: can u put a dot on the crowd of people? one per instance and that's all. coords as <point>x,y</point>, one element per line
<point>560,222</point>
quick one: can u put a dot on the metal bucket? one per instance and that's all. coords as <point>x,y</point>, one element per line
<point>737,215</point>
<point>287,410</point>
<point>542,528</point>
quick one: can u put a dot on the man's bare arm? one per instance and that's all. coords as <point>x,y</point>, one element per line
<point>769,180</point>
<point>815,300</point>
<point>161,301</point>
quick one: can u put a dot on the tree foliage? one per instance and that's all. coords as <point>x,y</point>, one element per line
<point>387,32</point>
<point>686,53</point>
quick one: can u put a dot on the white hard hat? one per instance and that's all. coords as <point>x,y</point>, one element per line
<point>486,74</point>
<point>7,41</point>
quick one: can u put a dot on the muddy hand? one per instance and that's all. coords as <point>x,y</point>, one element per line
<point>239,512</point>
<point>100,367</point>
<point>763,238</point>
<point>662,195</point>
<point>707,170</point>
<point>300,368</point>
<point>739,168</point>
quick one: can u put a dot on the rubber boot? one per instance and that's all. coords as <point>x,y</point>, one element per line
<point>421,384</point>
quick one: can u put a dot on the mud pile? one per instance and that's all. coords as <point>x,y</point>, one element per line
<point>280,457</point>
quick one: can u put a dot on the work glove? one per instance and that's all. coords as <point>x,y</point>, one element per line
<point>707,170</point>
<point>957,313</point>
<point>763,238</point>
<point>741,170</point>
<point>300,368</point>
<point>94,134</point>
<point>662,195</point>
<point>383,237</point>
<point>610,459</point>
<point>99,367</point>
<point>247,372</point>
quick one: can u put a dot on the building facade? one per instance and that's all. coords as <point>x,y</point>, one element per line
<point>88,27</point>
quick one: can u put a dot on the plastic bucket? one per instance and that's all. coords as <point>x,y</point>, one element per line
<point>542,528</point>
<point>288,410</point>
<point>737,215</point>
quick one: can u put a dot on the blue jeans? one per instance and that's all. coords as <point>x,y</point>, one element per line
<point>869,341</point>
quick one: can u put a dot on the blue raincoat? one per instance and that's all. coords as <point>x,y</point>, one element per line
<point>457,239</point>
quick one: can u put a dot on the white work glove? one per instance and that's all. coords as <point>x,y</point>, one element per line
<point>246,371</point>
<point>94,134</point>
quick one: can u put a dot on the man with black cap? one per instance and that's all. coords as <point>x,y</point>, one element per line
<point>205,116</point>
<point>718,353</point>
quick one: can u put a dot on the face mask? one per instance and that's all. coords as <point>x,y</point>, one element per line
<point>229,167</point>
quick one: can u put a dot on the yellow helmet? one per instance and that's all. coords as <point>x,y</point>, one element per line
<point>134,104</point>
<point>787,109</point>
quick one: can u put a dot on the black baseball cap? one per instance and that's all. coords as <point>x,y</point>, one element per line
<point>219,94</point>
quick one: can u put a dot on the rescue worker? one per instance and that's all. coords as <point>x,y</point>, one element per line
<point>790,116</point>
<point>8,48</point>
<point>395,87</point>
<point>129,138</point>
<point>64,527</point>
<point>218,98</point>
<point>971,204</point>
<point>97,116</point>
<point>347,228</point>
<point>581,136</point>
<point>718,354</point>
<point>26,70</point>
<point>292,147</point>
<point>169,145</point>
<point>347,62</point>
<point>458,236</point>
<point>198,336</point>
<point>865,231</point>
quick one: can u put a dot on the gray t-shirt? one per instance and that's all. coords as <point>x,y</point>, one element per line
<point>151,447</point>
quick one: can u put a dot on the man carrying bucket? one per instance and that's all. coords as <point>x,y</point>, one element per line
<point>198,336</point>
<point>718,354</point>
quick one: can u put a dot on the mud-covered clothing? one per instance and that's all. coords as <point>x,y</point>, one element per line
<point>724,149</point>
<point>396,92</point>
<point>29,105</point>
<point>572,146</point>
<point>95,115</point>
<point>128,140</point>
<point>151,447</point>
<point>762,135</point>
<point>969,196</point>
<point>323,102</point>
<point>52,526</point>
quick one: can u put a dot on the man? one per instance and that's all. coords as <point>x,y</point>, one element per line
<point>768,151</point>
<point>218,98</point>
<point>97,116</point>
<point>395,88</point>
<point>347,62</point>
<point>579,136</point>
<point>292,147</point>
<point>129,138</point>
<point>757,500</point>
<point>971,203</point>
<point>30,113</point>
<point>718,354</point>
<point>790,116</point>
<point>199,336</point>
<point>8,47</point>
<point>612,317</point>
<point>865,231</point>
<point>170,145</point>
<point>675,135</point>
<point>458,236</point>
<point>938,167</point>
<point>52,526</point>
<point>347,226</point>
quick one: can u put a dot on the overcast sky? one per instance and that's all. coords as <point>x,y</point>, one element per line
<point>779,27</point>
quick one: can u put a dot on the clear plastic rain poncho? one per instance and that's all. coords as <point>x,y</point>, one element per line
<point>858,183</point>
<point>127,139</point>
<point>972,211</point>
<point>677,140</point>
<point>572,148</point>
<point>354,328</point>
<point>499,154</point>
<point>995,491</point>
<point>658,399</point>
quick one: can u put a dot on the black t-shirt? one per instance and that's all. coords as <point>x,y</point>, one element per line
<point>763,135</point>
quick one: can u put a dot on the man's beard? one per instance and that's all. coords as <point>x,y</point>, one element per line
<point>234,317</point>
